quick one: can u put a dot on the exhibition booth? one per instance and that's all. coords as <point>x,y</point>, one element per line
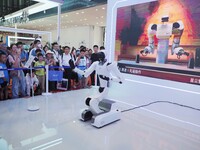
<point>138,105</point>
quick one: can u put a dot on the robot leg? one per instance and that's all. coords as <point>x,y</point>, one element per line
<point>86,114</point>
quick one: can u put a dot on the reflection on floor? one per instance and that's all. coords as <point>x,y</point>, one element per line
<point>56,125</point>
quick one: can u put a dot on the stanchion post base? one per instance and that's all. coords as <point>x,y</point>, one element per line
<point>46,94</point>
<point>33,108</point>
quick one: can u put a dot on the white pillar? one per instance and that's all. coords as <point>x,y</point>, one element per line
<point>58,23</point>
<point>15,33</point>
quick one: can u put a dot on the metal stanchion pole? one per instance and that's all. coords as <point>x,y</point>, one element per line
<point>47,82</point>
<point>34,106</point>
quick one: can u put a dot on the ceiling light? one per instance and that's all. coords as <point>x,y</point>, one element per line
<point>77,13</point>
<point>103,7</point>
<point>85,19</point>
<point>66,15</point>
<point>96,9</point>
<point>102,16</point>
<point>97,23</point>
<point>82,12</point>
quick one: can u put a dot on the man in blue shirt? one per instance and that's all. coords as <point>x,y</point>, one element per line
<point>23,55</point>
<point>37,45</point>
<point>4,77</point>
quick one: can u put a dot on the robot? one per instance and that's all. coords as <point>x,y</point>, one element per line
<point>163,32</point>
<point>100,111</point>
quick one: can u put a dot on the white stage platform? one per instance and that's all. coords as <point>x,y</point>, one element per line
<point>157,127</point>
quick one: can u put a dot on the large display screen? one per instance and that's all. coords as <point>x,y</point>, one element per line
<point>133,23</point>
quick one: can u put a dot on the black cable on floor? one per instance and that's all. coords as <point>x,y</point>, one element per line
<point>160,102</point>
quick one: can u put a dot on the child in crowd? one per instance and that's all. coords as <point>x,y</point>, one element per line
<point>31,83</point>
<point>40,73</point>
<point>4,77</point>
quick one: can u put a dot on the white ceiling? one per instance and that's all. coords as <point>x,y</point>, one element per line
<point>85,17</point>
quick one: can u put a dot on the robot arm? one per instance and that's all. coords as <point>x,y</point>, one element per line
<point>178,28</point>
<point>150,48</point>
<point>115,71</point>
<point>86,72</point>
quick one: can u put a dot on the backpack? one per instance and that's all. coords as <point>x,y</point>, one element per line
<point>8,64</point>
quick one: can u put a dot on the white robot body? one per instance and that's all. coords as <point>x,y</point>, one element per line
<point>100,110</point>
<point>164,31</point>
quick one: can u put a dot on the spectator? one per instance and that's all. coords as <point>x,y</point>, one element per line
<point>94,57</point>
<point>88,64</point>
<point>74,74</point>
<point>40,73</point>
<point>102,48</point>
<point>56,52</point>
<point>45,48</point>
<point>88,59</point>
<point>23,55</point>
<point>65,63</point>
<point>30,48</point>
<point>4,77</point>
<point>31,83</point>
<point>37,45</point>
<point>90,52</point>
<point>81,64</point>
<point>18,79</point>
<point>51,62</point>
<point>37,51</point>
<point>73,54</point>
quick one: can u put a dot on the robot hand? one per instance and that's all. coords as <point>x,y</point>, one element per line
<point>147,50</point>
<point>116,80</point>
<point>179,51</point>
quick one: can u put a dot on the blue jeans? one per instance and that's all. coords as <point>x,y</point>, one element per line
<point>18,83</point>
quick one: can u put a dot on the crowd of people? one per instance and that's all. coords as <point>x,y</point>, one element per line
<point>23,81</point>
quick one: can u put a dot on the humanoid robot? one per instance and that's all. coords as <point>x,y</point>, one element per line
<point>100,110</point>
<point>163,32</point>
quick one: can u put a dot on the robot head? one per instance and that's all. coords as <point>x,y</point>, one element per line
<point>102,56</point>
<point>165,18</point>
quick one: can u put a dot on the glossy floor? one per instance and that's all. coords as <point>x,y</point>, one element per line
<point>56,125</point>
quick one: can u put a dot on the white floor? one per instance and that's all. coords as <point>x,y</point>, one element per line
<point>56,125</point>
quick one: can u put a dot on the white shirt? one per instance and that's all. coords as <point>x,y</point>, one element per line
<point>65,59</point>
<point>56,55</point>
